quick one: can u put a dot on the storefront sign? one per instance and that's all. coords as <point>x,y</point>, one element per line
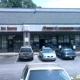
<point>8,28</point>
<point>47,28</point>
<point>60,28</point>
<point>66,28</point>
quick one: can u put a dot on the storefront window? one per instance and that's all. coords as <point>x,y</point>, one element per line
<point>72,39</point>
<point>60,39</point>
<point>4,42</point>
<point>77,40</point>
<point>35,44</point>
<point>54,40</point>
<point>41,36</point>
<point>66,38</point>
<point>31,40</point>
<point>47,39</point>
<point>0,42</point>
<point>36,38</point>
<point>18,41</point>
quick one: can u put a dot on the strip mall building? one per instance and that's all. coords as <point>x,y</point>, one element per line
<point>27,26</point>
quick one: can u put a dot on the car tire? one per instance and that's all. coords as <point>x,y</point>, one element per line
<point>72,58</point>
<point>20,59</point>
<point>42,59</point>
<point>55,60</point>
<point>62,57</point>
<point>32,58</point>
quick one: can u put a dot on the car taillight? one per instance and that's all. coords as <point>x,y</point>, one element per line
<point>32,53</point>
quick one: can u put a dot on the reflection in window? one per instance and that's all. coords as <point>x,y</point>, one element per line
<point>77,40</point>
<point>18,41</point>
<point>60,39</point>
<point>48,75</point>
<point>4,42</point>
<point>54,40</point>
<point>66,38</point>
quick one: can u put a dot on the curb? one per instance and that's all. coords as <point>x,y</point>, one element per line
<point>9,54</point>
<point>14,54</point>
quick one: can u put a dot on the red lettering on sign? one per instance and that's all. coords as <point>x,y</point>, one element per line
<point>47,28</point>
<point>11,28</point>
<point>66,28</point>
<point>3,28</point>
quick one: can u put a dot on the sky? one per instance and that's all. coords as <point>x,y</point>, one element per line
<point>58,3</point>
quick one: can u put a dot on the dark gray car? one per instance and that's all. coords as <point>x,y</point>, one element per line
<point>26,52</point>
<point>66,53</point>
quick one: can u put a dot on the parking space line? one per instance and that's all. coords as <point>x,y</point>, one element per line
<point>16,59</point>
<point>77,59</point>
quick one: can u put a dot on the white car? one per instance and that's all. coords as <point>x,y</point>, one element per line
<point>47,54</point>
<point>44,71</point>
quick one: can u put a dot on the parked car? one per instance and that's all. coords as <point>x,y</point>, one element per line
<point>46,53</point>
<point>26,52</point>
<point>66,53</point>
<point>44,71</point>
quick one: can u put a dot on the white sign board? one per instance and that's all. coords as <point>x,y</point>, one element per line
<point>26,39</point>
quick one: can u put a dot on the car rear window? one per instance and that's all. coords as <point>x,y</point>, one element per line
<point>68,50</point>
<point>48,75</point>
<point>25,50</point>
<point>47,50</point>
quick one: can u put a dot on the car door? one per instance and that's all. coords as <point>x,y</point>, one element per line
<point>59,52</point>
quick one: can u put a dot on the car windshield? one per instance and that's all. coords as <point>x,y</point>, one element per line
<point>68,50</point>
<point>25,50</point>
<point>47,50</point>
<point>48,75</point>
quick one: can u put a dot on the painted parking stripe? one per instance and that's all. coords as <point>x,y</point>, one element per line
<point>16,59</point>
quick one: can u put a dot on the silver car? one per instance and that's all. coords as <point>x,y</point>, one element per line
<point>47,54</point>
<point>44,71</point>
<point>26,52</point>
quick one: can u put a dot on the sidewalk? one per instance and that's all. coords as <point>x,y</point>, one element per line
<point>78,53</point>
<point>16,53</point>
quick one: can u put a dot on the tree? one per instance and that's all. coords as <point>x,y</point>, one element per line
<point>17,4</point>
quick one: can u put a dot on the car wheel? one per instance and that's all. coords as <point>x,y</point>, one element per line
<point>39,56</point>
<point>32,58</point>
<point>42,58</point>
<point>55,60</point>
<point>20,59</point>
<point>72,58</point>
<point>62,57</point>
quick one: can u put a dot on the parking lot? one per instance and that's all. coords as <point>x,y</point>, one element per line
<point>12,63</point>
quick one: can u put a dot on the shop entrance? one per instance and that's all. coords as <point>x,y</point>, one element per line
<point>10,45</point>
<point>41,42</point>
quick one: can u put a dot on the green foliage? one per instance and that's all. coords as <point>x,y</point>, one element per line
<point>17,4</point>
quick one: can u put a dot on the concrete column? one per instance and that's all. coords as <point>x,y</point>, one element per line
<point>26,35</point>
